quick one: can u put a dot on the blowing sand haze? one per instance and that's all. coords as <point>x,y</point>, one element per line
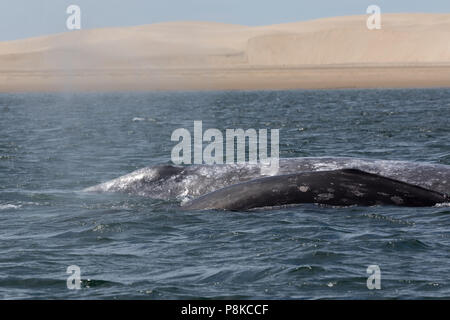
<point>411,50</point>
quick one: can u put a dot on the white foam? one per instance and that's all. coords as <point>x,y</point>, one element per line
<point>9,206</point>
<point>443,205</point>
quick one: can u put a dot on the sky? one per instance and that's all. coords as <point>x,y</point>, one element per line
<point>30,18</point>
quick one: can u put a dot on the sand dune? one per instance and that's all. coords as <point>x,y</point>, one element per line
<point>411,50</point>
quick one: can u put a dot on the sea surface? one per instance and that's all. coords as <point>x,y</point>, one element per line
<point>52,146</point>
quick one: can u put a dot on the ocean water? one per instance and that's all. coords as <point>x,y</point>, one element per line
<point>52,146</point>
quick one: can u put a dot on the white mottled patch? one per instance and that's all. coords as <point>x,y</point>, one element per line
<point>358,193</point>
<point>397,200</point>
<point>303,188</point>
<point>324,196</point>
<point>383,194</point>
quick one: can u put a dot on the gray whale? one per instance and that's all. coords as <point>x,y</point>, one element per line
<point>336,188</point>
<point>189,182</point>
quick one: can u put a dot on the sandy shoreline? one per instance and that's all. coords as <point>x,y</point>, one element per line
<point>229,79</point>
<point>411,51</point>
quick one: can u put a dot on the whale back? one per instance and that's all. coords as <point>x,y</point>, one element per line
<point>343,187</point>
<point>188,182</point>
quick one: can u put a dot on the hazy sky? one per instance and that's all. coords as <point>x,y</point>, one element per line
<point>27,18</point>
